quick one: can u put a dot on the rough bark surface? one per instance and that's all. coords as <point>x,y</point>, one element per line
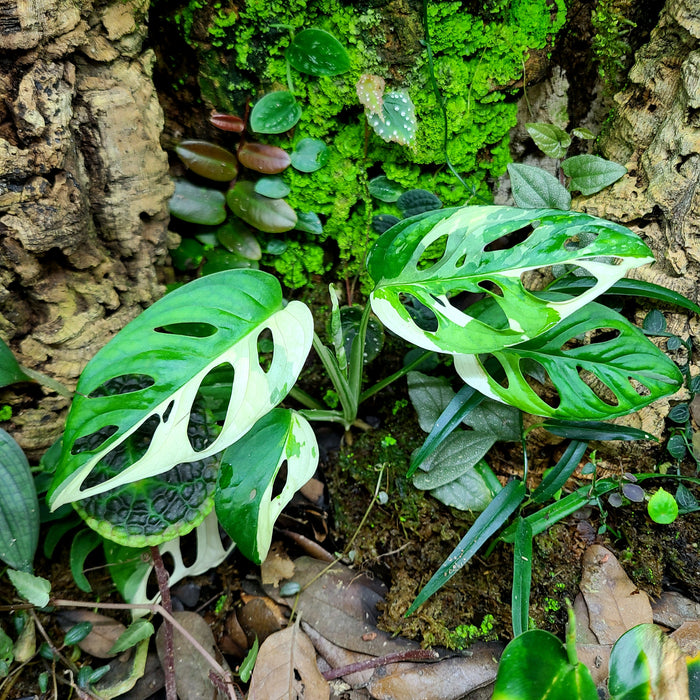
<point>83,189</point>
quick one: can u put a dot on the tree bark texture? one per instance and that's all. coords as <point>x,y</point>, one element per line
<point>84,187</point>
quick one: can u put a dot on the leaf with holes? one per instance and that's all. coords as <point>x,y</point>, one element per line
<point>245,504</point>
<point>592,381</point>
<point>486,251</point>
<point>175,344</point>
<point>397,120</point>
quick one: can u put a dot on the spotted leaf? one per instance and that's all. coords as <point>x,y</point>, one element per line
<point>397,120</point>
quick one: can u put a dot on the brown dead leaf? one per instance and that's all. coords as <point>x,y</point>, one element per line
<point>614,603</point>
<point>105,631</point>
<point>595,656</point>
<point>448,679</point>
<point>672,610</point>
<point>286,668</point>
<point>191,668</point>
<point>313,490</point>
<point>277,566</point>
<point>260,617</point>
<point>687,636</point>
<point>342,606</point>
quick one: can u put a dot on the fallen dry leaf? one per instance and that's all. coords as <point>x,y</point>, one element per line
<point>105,631</point>
<point>286,669</point>
<point>260,617</point>
<point>672,610</point>
<point>277,566</point>
<point>687,636</point>
<point>191,668</point>
<point>614,603</point>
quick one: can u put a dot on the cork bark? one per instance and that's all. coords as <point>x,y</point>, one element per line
<point>83,191</point>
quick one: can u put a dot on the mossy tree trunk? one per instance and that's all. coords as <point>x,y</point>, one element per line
<point>83,190</point>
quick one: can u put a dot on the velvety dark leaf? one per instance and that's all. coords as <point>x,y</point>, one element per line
<point>208,160</point>
<point>263,158</point>
<point>265,214</point>
<point>417,201</point>
<point>317,52</point>
<point>383,222</point>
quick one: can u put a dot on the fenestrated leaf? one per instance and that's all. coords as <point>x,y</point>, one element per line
<point>470,264</point>
<point>244,503</point>
<point>19,507</point>
<point>616,362</point>
<point>317,52</point>
<point>309,155</point>
<point>265,214</point>
<point>550,139</point>
<point>534,188</point>
<point>535,665</point>
<point>263,158</point>
<point>590,174</point>
<point>208,160</point>
<point>397,120</point>
<point>176,342</point>
<point>198,205</point>
<point>275,113</point>
<point>10,371</point>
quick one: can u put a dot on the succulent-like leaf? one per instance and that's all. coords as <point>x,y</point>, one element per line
<point>245,506</point>
<point>273,187</point>
<point>397,120</point>
<point>309,155</point>
<point>197,205</point>
<point>227,122</point>
<point>590,174</point>
<point>370,93</point>
<point>265,214</point>
<point>310,222</point>
<point>275,113</point>
<point>472,262</point>
<point>550,139</point>
<point>535,188</point>
<point>317,52</point>
<point>208,160</point>
<point>236,237</point>
<point>263,158</point>
<point>592,381</point>
<point>19,507</point>
<point>176,343</point>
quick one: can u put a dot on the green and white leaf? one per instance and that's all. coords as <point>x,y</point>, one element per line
<point>616,363</point>
<point>244,503</point>
<point>397,121</point>
<point>235,306</point>
<point>559,238</point>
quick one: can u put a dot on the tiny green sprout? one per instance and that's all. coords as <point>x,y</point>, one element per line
<point>398,405</point>
<point>220,604</point>
<point>662,507</point>
<point>388,441</point>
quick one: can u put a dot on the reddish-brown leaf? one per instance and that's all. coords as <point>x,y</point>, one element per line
<point>227,122</point>
<point>208,160</point>
<point>263,158</point>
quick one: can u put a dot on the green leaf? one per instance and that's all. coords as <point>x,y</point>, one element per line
<point>211,321</point>
<point>593,381</point>
<point>383,222</point>
<point>83,544</point>
<point>550,139</point>
<point>32,588</point>
<point>662,507</point>
<point>654,322</point>
<point>245,505</point>
<point>275,113</point>
<point>522,576</point>
<point>317,52</point>
<point>19,507</point>
<point>265,214</point>
<point>370,92</point>
<point>208,160</point>
<point>197,205</point>
<point>246,668</point>
<point>136,632</point>
<point>397,121</point>
<point>583,133</point>
<point>10,371</point>
<point>534,188</point>
<point>495,515</point>
<point>236,237</point>
<point>680,413</point>
<point>219,260</point>
<point>595,430</point>
<point>590,174</point>
<point>646,663</point>
<point>470,264</point>
<point>384,189</point>
<point>272,187</point>
<point>309,221</point>
<point>676,446</point>
<point>309,155</point>
<point>189,255</point>
<point>472,490</point>
<point>535,665</point>
<point>77,633</point>
<point>418,201</point>
<point>560,473</point>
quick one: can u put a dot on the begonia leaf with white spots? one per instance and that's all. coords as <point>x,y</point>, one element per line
<point>397,122</point>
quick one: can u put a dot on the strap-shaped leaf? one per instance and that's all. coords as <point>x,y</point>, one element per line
<point>245,506</point>
<point>615,362</point>
<point>470,264</point>
<point>175,343</point>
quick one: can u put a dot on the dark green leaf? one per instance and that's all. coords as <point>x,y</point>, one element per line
<point>188,255</point>
<point>276,246</point>
<point>550,139</point>
<point>534,188</point>
<point>384,189</point>
<point>19,507</point>
<point>265,214</point>
<point>308,221</point>
<point>680,413</point>
<point>208,160</point>
<point>56,532</point>
<point>309,155</point>
<point>676,446</point>
<point>674,343</point>
<point>316,52</point>
<point>275,113</point>
<point>350,319</point>
<point>10,371</point>
<point>417,201</point>
<point>238,238</point>
<point>522,577</point>
<point>654,322</point>
<point>495,515</point>
<point>198,205</point>
<point>84,542</point>
<point>136,632</point>
<point>687,503</point>
<point>590,174</point>
<point>594,430</point>
<point>383,222</point>
<point>561,472</point>
<point>77,633</point>
<point>662,507</point>
<point>263,158</point>
<point>273,187</point>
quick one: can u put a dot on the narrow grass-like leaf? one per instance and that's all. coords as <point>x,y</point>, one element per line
<point>522,576</point>
<point>595,430</point>
<point>561,472</point>
<point>84,542</point>
<point>487,524</point>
